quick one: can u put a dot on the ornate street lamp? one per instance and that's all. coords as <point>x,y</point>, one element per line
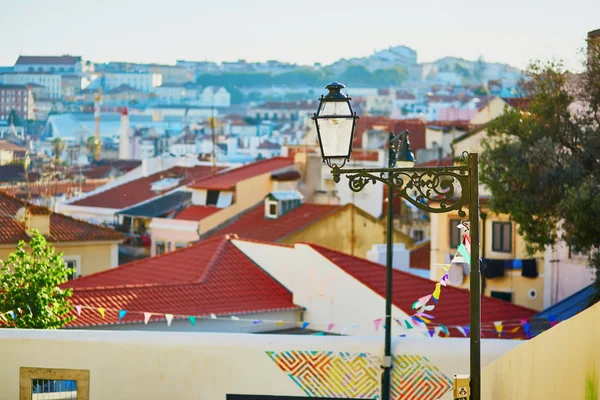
<point>335,123</point>
<point>438,190</point>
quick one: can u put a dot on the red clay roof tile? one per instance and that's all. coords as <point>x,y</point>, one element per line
<point>139,190</point>
<point>62,228</point>
<point>453,307</point>
<point>254,225</point>
<point>196,213</point>
<point>228,179</point>
<point>212,276</point>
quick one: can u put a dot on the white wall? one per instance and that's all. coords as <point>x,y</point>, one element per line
<point>329,294</point>
<point>169,365</point>
<point>52,82</point>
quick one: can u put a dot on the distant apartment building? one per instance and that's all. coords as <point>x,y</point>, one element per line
<point>198,67</point>
<point>145,82</point>
<point>71,85</point>
<point>282,110</point>
<point>50,64</point>
<point>215,96</point>
<point>53,82</point>
<point>171,74</point>
<point>170,93</point>
<point>18,98</point>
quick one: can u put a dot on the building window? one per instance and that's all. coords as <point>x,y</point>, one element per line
<point>70,263</point>
<point>502,237</point>
<point>160,248</point>
<point>212,197</point>
<point>418,235</point>
<point>506,296</point>
<point>54,383</point>
<point>180,246</point>
<point>454,233</point>
<point>168,247</point>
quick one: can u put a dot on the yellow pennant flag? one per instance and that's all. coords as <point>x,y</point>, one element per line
<point>280,323</point>
<point>101,311</point>
<point>436,292</point>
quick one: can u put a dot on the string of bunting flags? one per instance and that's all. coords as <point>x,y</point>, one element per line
<point>420,319</point>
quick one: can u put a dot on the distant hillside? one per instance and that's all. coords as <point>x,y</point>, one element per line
<point>450,70</point>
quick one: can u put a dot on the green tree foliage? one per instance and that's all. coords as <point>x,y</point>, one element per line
<point>13,118</point>
<point>92,144</point>
<point>58,146</point>
<point>29,286</point>
<point>354,75</point>
<point>543,165</point>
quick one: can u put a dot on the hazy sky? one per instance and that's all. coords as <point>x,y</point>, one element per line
<point>306,31</point>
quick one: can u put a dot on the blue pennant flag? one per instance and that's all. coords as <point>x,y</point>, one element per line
<point>122,313</point>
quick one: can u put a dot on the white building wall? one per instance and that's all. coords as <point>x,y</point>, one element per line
<point>53,82</point>
<point>329,294</point>
<point>176,365</point>
<point>145,82</point>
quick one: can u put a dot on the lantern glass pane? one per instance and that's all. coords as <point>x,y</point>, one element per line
<point>335,108</point>
<point>336,134</point>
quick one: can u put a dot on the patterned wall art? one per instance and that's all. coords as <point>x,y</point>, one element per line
<point>358,375</point>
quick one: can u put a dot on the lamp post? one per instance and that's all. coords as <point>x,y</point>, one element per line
<point>447,189</point>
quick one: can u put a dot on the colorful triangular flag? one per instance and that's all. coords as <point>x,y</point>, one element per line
<point>279,323</point>
<point>431,332</point>
<point>408,325</point>
<point>213,316</point>
<point>444,329</point>
<point>122,313</point>
<point>330,327</point>
<point>256,321</point>
<point>436,292</point>
<point>515,329</point>
<point>101,311</point>
<point>192,320</point>
<point>552,319</point>
<point>319,334</point>
<point>78,308</point>
<point>498,327</point>
<point>462,330</point>
<point>12,314</point>
<point>377,323</point>
<point>304,325</point>
<point>169,318</point>
<point>147,317</point>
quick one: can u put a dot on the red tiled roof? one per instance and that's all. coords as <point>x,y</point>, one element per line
<point>266,145</point>
<point>62,228</point>
<point>134,192</point>
<point>50,60</point>
<point>212,276</point>
<point>453,307</point>
<point>196,213</point>
<point>443,162</point>
<point>47,189</point>
<point>520,103</point>
<point>228,179</point>
<point>420,257</point>
<point>254,225</point>
<point>416,127</point>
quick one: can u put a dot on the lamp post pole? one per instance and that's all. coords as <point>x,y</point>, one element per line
<point>475,288</point>
<point>387,361</point>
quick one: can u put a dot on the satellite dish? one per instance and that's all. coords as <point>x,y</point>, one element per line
<point>456,275</point>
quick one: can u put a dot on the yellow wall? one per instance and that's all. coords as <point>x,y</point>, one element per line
<point>512,281</point>
<point>247,194</point>
<point>94,256</point>
<point>336,232</point>
<point>561,363</point>
<point>492,110</point>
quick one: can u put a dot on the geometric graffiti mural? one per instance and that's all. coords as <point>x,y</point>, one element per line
<point>358,375</point>
<point>414,377</point>
<point>329,374</point>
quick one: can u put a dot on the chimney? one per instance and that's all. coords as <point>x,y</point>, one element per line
<point>124,151</point>
<point>34,217</point>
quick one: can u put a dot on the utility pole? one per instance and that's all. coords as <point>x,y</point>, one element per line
<point>212,128</point>
<point>97,102</point>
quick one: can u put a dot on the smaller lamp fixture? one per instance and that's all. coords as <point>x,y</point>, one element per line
<point>335,122</point>
<point>404,156</point>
